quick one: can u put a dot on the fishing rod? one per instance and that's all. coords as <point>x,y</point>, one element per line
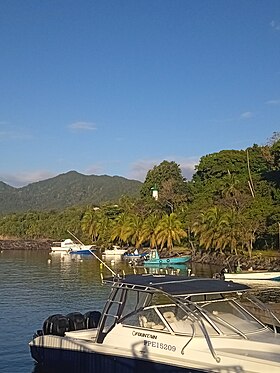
<point>97,257</point>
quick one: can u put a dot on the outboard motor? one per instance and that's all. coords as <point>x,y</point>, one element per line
<point>76,321</point>
<point>56,325</point>
<point>92,319</point>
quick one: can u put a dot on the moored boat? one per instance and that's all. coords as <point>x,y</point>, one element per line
<point>252,275</point>
<point>134,254</point>
<point>70,247</point>
<point>115,250</point>
<point>162,323</point>
<point>154,259</point>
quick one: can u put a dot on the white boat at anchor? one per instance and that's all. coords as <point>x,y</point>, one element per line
<point>69,247</point>
<point>115,250</point>
<point>163,323</point>
<point>252,275</point>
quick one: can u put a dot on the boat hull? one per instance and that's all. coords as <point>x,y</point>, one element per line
<point>60,360</point>
<point>68,246</point>
<point>254,276</point>
<point>113,253</point>
<point>82,252</point>
<point>55,250</point>
<point>167,261</point>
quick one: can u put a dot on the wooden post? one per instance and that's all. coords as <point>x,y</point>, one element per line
<point>279,235</point>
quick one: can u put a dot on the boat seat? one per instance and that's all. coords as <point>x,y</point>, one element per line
<point>169,317</point>
<point>144,323</point>
<point>178,326</point>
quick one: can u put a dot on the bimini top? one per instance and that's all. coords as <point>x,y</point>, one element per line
<point>178,285</point>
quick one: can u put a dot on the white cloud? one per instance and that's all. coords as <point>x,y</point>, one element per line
<point>187,167</point>
<point>82,126</point>
<point>275,25</point>
<point>273,102</point>
<point>140,168</point>
<point>246,115</point>
<point>20,179</point>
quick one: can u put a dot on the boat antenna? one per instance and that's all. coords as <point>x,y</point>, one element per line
<point>101,261</point>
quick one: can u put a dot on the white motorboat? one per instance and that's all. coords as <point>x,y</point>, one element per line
<point>163,323</point>
<point>68,246</point>
<point>252,275</point>
<point>114,250</point>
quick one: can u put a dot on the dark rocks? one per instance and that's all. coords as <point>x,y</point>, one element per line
<point>25,244</point>
<point>232,261</point>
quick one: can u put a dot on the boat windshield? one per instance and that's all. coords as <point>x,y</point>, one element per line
<point>196,315</point>
<point>223,316</point>
<point>230,317</point>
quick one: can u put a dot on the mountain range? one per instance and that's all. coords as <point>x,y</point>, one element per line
<point>66,190</point>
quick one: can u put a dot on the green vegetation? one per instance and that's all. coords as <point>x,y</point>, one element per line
<point>231,205</point>
<point>66,190</point>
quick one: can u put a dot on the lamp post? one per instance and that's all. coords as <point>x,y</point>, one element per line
<point>154,190</point>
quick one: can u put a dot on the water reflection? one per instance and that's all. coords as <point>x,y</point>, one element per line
<point>35,284</point>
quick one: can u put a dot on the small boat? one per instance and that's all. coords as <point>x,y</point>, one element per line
<point>114,250</point>
<point>69,247</point>
<point>252,275</point>
<point>83,250</point>
<point>154,259</point>
<point>134,254</point>
<point>162,323</point>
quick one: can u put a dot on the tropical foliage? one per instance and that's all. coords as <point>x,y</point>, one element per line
<point>66,190</point>
<point>231,205</point>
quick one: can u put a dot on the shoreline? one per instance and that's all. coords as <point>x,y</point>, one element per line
<point>257,262</point>
<point>18,244</point>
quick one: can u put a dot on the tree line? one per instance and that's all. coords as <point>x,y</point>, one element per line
<point>231,205</point>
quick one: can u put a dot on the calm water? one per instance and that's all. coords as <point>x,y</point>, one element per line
<point>32,287</point>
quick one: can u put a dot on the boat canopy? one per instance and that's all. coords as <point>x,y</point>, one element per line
<point>178,286</point>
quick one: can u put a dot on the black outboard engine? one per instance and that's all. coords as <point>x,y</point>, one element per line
<point>76,321</point>
<point>92,319</point>
<point>56,325</point>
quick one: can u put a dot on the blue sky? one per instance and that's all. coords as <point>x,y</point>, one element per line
<point>117,86</point>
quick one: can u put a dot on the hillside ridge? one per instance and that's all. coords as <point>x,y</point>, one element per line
<point>65,190</point>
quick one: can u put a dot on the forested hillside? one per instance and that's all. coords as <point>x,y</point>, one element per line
<point>231,205</point>
<point>66,190</point>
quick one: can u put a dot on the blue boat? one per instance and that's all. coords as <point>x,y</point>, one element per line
<point>155,259</point>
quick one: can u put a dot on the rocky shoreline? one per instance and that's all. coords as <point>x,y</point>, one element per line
<point>230,261</point>
<point>257,262</point>
<point>9,244</point>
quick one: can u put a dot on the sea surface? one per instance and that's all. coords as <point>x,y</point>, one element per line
<point>35,285</point>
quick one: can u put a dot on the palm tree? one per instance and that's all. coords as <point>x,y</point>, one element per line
<point>210,228</point>
<point>169,230</point>
<point>119,228</point>
<point>232,231</point>
<point>231,191</point>
<point>89,224</point>
<point>148,232</point>
<point>133,230</point>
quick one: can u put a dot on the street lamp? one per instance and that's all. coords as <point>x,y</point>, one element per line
<point>154,190</point>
